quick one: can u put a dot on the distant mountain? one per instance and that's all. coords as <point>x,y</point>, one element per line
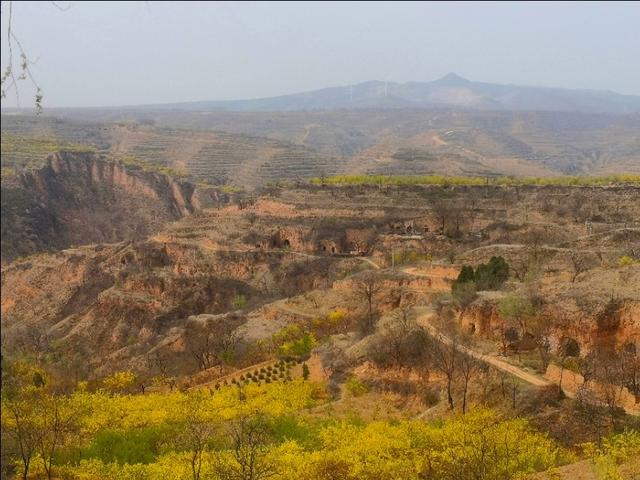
<point>450,91</point>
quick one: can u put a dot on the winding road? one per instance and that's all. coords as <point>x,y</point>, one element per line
<point>424,320</point>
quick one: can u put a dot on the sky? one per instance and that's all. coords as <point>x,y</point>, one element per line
<point>112,53</point>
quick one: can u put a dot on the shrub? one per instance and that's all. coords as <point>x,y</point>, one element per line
<point>239,301</point>
<point>301,347</point>
<point>356,387</point>
<point>625,261</point>
<point>119,381</point>
<point>490,276</point>
<point>131,446</point>
<point>431,397</point>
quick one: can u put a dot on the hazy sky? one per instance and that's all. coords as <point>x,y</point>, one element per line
<point>154,52</point>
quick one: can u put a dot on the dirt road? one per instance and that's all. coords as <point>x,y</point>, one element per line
<point>424,319</point>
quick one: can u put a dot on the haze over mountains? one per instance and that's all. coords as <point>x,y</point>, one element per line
<point>449,126</point>
<point>450,91</point>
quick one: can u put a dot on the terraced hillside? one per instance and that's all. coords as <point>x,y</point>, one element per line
<point>250,149</point>
<point>508,142</point>
<point>206,156</point>
<point>26,141</point>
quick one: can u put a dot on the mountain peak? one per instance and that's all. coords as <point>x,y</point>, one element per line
<point>452,79</point>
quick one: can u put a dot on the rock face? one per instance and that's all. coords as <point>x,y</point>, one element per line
<point>109,307</point>
<point>81,198</point>
<point>596,321</point>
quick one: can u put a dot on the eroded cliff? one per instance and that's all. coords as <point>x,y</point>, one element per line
<point>79,198</point>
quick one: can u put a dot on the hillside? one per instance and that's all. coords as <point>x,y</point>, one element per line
<point>332,312</point>
<point>254,148</point>
<point>79,198</point>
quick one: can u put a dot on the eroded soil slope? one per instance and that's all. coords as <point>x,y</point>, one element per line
<point>80,198</point>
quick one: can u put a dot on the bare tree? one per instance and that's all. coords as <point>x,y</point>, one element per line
<point>442,211</point>
<point>31,340</point>
<point>534,241</point>
<point>468,366</point>
<point>24,431</point>
<point>212,341</point>
<point>588,366</point>
<point>539,329</point>
<point>250,437</point>
<point>158,363</point>
<point>195,427</point>
<point>18,64</point>
<point>631,368</point>
<point>367,287</point>
<point>610,376</point>
<point>395,336</point>
<point>579,263</point>
<point>58,422</point>
<point>443,356</point>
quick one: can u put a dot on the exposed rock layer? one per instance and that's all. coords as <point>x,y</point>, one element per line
<point>80,198</point>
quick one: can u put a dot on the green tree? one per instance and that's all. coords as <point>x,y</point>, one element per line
<point>466,274</point>
<point>491,276</point>
<point>464,294</point>
<point>517,308</point>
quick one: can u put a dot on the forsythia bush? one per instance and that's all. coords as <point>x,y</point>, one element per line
<point>614,451</point>
<point>477,445</point>
<point>204,434</point>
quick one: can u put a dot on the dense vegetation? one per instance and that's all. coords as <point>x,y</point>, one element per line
<point>257,432</point>
<point>489,276</point>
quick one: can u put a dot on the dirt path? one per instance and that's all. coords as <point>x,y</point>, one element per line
<point>369,261</point>
<point>281,305</point>
<point>424,320</point>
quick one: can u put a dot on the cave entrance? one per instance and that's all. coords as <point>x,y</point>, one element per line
<point>570,347</point>
<point>630,349</point>
<point>286,243</point>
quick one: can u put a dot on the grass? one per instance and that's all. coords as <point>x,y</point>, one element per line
<point>229,188</point>
<point>23,151</point>
<point>7,172</point>
<point>148,166</point>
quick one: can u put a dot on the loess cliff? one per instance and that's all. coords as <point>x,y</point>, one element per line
<point>80,198</point>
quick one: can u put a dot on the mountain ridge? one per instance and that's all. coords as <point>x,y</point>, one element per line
<point>450,91</point>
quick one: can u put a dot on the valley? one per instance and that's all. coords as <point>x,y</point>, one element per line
<point>424,296</point>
